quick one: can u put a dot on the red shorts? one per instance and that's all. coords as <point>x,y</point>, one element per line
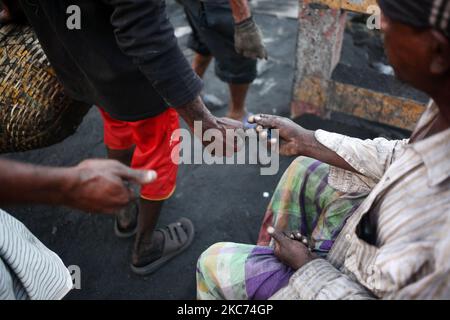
<point>154,143</point>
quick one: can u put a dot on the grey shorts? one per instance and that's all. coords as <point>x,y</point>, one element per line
<point>213,34</point>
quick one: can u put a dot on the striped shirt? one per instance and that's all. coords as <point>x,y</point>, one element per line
<point>408,187</point>
<point>29,270</point>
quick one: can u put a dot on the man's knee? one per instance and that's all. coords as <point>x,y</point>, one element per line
<point>207,259</point>
<point>303,161</point>
<point>299,165</point>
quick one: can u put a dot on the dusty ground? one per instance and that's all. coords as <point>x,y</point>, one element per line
<point>226,203</point>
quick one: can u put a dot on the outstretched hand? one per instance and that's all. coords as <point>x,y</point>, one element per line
<point>196,112</point>
<point>293,138</point>
<point>230,145</point>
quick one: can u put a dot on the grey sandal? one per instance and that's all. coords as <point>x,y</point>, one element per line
<point>176,240</point>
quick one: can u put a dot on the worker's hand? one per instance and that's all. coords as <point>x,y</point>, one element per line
<point>293,138</point>
<point>291,252</point>
<point>235,129</point>
<point>103,185</point>
<point>195,113</point>
<point>228,123</point>
<point>248,40</point>
<point>226,132</point>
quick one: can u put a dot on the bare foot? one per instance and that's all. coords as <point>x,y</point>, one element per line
<point>145,252</point>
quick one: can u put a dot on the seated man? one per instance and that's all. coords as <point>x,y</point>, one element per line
<point>374,214</point>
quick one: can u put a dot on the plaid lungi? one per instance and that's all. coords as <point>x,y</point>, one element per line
<point>303,201</point>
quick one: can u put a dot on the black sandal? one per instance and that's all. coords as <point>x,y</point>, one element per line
<point>176,240</point>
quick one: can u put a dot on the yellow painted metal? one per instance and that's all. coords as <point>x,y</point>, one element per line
<point>329,95</point>
<point>315,93</point>
<point>351,5</point>
<point>375,106</point>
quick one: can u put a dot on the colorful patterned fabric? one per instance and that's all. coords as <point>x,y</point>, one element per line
<point>303,201</point>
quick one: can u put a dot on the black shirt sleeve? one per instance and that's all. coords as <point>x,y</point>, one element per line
<point>143,32</point>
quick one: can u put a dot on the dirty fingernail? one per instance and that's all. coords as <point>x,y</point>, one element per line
<point>270,230</point>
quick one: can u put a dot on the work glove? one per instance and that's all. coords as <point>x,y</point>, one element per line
<point>248,40</point>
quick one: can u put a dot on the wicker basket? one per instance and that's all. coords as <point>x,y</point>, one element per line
<point>34,111</point>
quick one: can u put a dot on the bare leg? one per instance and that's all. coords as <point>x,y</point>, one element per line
<point>238,94</point>
<point>126,218</point>
<point>123,156</point>
<point>200,64</point>
<point>148,245</point>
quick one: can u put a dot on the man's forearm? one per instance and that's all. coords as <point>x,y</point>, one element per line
<point>240,9</point>
<point>197,111</point>
<point>314,149</point>
<point>25,183</point>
